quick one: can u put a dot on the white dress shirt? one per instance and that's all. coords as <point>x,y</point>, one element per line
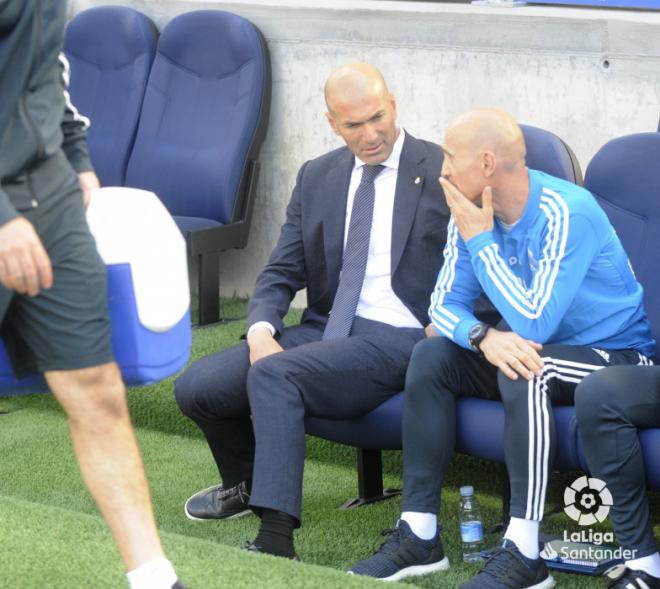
<point>377,299</point>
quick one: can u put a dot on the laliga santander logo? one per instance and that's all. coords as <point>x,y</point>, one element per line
<point>587,501</point>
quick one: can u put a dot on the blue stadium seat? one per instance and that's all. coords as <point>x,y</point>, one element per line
<point>148,296</point>
<point>203,121</point>
<point>551,154</point>
<point>381,428</point>
<point>110,50</point>
<point>624,176</point>
<point>10,385</point>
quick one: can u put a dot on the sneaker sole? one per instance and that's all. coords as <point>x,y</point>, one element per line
<point>216,519</point>
<point>415,571</point>
<point>545,584</point>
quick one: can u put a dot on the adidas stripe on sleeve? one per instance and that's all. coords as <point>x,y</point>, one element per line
<point>569,245</point>
<point>456,289</point>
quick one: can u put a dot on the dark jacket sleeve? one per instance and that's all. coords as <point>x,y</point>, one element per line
<point>7,210</point>
<point>16,18</point>
<point>74,126</point>
<point>285,272</point>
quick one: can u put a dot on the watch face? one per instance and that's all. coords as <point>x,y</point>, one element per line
<point>476,334</point>
<point>475,331</point>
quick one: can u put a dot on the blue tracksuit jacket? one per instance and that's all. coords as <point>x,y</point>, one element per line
<point>559,276</point>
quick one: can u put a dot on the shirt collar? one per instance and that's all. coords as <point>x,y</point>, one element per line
<point>395,156</point>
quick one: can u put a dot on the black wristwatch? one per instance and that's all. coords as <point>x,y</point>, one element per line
<point>476,335</point>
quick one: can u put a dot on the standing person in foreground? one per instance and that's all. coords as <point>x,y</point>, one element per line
<point>547,257</point>
<point>363,233</point>
<point>610,405</point>
<point>53,305</point>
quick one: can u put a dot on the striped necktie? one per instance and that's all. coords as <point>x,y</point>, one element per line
<point>356,253</point>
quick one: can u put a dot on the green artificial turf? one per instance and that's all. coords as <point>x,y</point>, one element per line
<point>52,536</point>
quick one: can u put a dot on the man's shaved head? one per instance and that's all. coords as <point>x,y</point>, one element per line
<point>362,111</point>
<point>485,148</point>
<point>490,129</point>
<point>353,82</point>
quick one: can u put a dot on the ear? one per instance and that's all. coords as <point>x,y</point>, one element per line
<point>333,123</point>
<point>489,163</point>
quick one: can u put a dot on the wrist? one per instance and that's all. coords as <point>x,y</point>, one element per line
<point>478,242</point>
<point>260,325</point>
<point>259,333</point>
<point>477,334</point>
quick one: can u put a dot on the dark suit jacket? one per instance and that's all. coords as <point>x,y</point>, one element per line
<point>309,251</point>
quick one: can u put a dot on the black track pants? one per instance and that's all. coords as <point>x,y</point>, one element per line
<point>440,371</point>
<point>610,406</point>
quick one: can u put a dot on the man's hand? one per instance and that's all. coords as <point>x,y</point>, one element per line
<point>24,264</point>
<point>262,344</point>
<point>88,181</point>
<point>512,354</point>
<point>469,218</point>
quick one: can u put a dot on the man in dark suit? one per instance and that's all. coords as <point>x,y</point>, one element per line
<point>364,233</point>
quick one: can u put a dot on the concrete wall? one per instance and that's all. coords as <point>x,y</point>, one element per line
<point>587,75</point>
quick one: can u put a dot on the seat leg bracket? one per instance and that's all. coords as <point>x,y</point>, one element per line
<point>370,480</point>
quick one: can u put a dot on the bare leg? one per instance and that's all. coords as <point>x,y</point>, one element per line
<point>109,458</point>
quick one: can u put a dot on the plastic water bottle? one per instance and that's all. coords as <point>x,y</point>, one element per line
<point>472,531</point>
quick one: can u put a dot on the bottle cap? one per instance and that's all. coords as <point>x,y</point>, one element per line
<point>467,491</point>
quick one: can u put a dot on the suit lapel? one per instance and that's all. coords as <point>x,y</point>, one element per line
<point>334,194</point>
<point>409,185</point>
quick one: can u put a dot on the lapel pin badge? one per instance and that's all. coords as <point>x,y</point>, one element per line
<point>418,180</point>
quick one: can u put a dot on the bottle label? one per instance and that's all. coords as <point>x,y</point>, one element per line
<point>471,532</point>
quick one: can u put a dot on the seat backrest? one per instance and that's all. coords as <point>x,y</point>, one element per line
<point>110,50</point>
<point>624,176</point>
<point>550,154</point>
<point>204,114</point>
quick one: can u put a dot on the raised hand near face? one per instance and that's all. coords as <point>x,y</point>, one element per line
<point>470,219</point>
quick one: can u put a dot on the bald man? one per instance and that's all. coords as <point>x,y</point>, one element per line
<point>364,233</point>
<point>547,257</point>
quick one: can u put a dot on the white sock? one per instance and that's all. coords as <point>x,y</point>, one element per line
<point>155,574</point>
<point>525,533</point>
<point>649,564</point>
<point>423,525</point>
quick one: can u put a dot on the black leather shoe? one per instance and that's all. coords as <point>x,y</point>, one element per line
<point>218,503</point>
<point>252,547</point>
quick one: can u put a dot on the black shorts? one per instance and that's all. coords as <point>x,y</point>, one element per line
<point>66,327</point>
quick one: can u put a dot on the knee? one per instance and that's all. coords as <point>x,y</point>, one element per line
<point>595,399</point>
<point>431,363</point>
<point>211,388</point>
<point>511,390</point>
<point>95,393</point>
<point>262,377</point>
<point>184,390</point>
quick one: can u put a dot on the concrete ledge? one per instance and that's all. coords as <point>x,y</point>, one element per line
<point>424,24</point>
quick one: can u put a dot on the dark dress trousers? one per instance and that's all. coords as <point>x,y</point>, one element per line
<point>335,379</point>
